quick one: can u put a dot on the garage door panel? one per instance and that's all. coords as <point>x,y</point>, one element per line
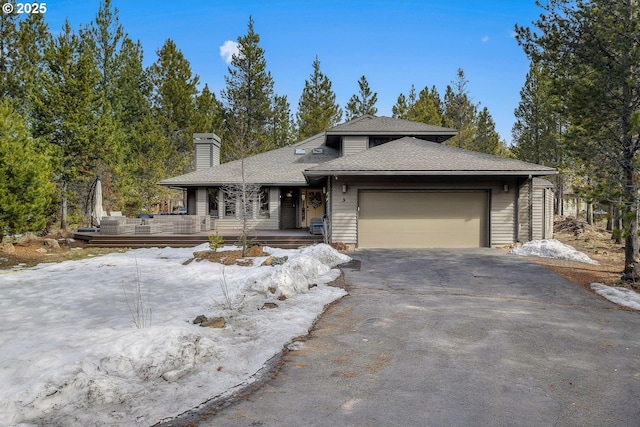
<point>422,219</point>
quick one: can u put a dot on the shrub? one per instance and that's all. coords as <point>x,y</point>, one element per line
<point>215,242</point>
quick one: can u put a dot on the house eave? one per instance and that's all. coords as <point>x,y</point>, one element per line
<point>190,184</point>
<point>316,173</point>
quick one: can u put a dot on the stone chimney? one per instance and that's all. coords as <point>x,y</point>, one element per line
<point>207,150</point>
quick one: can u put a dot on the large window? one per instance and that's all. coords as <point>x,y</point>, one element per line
<point>263,203</point>
<point>212,195</point>
<point>229,206</point>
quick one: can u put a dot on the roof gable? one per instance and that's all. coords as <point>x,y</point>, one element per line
<point>412,156</point>
<point>281,166</point>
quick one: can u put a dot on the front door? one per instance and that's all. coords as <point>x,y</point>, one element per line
<point>312,204</point>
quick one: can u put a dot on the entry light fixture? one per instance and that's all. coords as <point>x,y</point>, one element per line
<point>505,188</point>
<point>344,188</point>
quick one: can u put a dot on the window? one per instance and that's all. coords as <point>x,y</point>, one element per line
<point>263,203</point>
<point>212,195</point>
<point>229,206</point>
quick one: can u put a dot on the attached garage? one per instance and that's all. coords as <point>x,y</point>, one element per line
<point>422,219</point>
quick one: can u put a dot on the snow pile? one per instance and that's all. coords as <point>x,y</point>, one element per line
<point>621,296</point>
<point>71,354</point>
<point>552,248</point>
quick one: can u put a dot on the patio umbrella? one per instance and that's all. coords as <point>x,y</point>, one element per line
<point>98,210</point>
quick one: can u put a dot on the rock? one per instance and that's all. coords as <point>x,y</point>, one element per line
<point>269,305</point>
<point>2,260</point>
<point>267,261</point>
<point>52,243</point>
<point>216,322</point>
<point>201,318</point>
<point>279,260</point>
<point>7,248</point>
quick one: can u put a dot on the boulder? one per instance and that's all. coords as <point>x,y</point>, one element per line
<point>51,243</point>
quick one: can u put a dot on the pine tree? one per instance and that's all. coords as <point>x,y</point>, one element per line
<point>105,35</point>
<point>460,112</point>
<point>66,115</point>
<point>487,138</point>
<point>362,103</point>
<point>317,108</point>
<point>209,113</point>
<point>248,99</point>
<point>591,50</point>
<point>22,44</point>
<point>26,191</point>
<point>427,108</point>
<point>280,128</point>
<point>174,90</point>
<point>537,132</point>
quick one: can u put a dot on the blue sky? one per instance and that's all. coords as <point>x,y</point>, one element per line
<point>393,43</point>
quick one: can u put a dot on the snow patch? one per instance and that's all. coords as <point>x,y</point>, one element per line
<point>71,354</point>
<point>621,296</point>
<point>552,248</point>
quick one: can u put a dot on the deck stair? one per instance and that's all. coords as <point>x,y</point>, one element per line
<point>279,240</point>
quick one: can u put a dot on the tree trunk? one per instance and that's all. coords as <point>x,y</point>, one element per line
<point>630,215</point>
<point>617,225</point>
<point>589,213</point>
<point>610,218</point>
<point>64,203</point>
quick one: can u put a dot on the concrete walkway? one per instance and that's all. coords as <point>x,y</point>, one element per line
<point>455,338</point>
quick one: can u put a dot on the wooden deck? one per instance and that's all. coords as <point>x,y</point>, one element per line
<point>285,239</point>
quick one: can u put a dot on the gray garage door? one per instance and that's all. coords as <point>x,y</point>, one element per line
<point>421,219</point>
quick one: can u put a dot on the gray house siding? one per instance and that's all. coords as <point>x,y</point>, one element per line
<point>354,144</point>
<point>541,213</point>
<point>344,206</point>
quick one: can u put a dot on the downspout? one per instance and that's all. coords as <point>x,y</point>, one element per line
<point>517,212</point>
<point>530,208</point>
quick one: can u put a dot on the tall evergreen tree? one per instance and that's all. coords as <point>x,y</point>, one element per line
<point>460,112</point>
<point>248,99</point>
<point>487,140</point>
<point>66,113</point>
<point>404,104</point>
<point>317,108</point>
<point>427,108</point>
<point>591,48</point>
<point>209,112</point>
<point>105,36</point>
<point>26,190</point>
<point>280,128</point>
<point>22,44</point>
<point>537,131</point>
<point>174,91</point>
<point>363,103</point>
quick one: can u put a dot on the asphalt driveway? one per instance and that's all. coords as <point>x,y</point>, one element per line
<point>455,338</point>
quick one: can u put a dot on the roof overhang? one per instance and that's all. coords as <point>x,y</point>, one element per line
<point>522,173</point>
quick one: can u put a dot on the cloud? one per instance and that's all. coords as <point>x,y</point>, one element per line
<point>485,39</point>
<point>228,49</point>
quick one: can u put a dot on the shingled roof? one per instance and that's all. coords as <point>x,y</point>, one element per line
<point>277,167</point>
<point>412,156</point>
<point>372,125</point>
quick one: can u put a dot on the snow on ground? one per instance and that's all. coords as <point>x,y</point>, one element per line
<point>552,248</point>
<point>72,355</point>
<point>621,296</point>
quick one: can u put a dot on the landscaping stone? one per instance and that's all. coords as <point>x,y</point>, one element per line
<point>216,322</point>
<point>52,243</point>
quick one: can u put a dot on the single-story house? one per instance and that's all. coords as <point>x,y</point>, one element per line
<point>381,182</point>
